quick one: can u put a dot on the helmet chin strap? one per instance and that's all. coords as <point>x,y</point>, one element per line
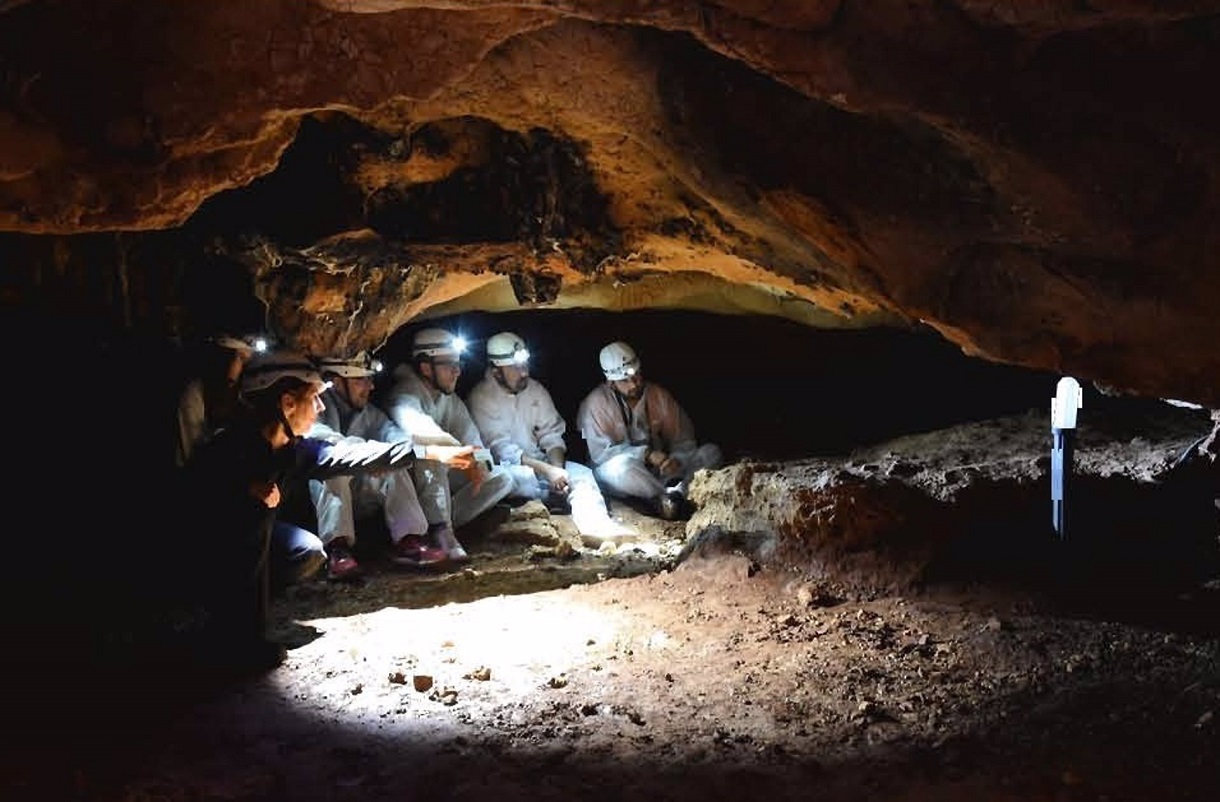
<point>287,426</point>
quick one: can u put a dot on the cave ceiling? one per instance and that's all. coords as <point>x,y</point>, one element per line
<point>1036,180</point>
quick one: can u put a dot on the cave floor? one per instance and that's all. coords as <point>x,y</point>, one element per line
<point>629,674</point>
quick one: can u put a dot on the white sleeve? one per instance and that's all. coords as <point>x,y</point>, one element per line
<point>405,410</point>
<point>494,417</point>
<point>550,426</point>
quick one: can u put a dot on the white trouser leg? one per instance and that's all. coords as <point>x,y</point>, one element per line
<point>526,483</point>
<point>589,511</point>
<point>626,476</point>
<point>469,503</point>
<point>332,502</point>
<point>393,493</point>
<point>432,489</point>
<point>705,456</point>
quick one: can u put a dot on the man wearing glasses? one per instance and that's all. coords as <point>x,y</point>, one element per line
<point>423,402</point>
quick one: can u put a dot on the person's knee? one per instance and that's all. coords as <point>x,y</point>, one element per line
<point>308,551</point>
<point>499,484</point>
<point>308,563</point>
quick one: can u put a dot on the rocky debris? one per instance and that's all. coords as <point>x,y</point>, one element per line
<point>546,537</point>
<point>885,518</point>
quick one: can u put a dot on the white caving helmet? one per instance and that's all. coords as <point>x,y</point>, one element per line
<point>437,344</point>
<point>246,346</point>
<point>358,367</point>
<point>264,370</point>
<point>507,348</point>
<point>619,361</point>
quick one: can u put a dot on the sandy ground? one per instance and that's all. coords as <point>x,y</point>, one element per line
<point>625,674</point>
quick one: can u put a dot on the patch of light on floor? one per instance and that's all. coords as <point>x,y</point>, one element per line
<point>421,663</point>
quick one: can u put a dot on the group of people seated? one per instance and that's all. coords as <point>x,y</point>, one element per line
<point>287,453</point>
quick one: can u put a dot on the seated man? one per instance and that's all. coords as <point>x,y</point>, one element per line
<point>348,417</point>
<point>641,442</point>
<point>422,401</point>
<point>524,431</point>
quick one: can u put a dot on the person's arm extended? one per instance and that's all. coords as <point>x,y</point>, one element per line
<point>322,459</point>
<point>350,456</point>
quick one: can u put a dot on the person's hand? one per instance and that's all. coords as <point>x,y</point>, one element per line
<point>266,492</point>
<point>558,479</point>
<point>672,466</point>
<point>664,464</point>
<point>459,457</point>
<point>476,473</point>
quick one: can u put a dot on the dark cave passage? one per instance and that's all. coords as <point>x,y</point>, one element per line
<point>760,387</point>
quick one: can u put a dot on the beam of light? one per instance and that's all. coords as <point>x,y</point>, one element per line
<point>505,648</point>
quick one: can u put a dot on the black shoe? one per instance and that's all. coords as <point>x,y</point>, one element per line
<point>672,506</point>
<point>557,504</point>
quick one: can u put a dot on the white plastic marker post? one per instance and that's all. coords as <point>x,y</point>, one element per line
<point>1068,398</point>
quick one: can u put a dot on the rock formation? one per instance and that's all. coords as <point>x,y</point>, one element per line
<point>1036,181</point>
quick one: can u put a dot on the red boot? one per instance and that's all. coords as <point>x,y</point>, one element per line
<point>414,551</point>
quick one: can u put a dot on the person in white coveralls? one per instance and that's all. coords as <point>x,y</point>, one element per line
<point>339,501</point>
<point>525,433</point>
<point>424,402</point>
<point>641,441</point>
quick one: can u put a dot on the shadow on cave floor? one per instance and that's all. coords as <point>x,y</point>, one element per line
<point>132,630</point>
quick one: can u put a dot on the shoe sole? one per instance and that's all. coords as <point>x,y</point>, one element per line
<point>404,562</point>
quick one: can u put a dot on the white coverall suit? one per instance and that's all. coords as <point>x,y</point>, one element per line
<point>447,497</point>
<point>619,436</point>
<point>528,424</point>
<point>341,499</point>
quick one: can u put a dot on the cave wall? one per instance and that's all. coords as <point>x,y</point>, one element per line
<point>1034,181</point>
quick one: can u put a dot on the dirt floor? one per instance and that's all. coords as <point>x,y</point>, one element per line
<point>543,671</point>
